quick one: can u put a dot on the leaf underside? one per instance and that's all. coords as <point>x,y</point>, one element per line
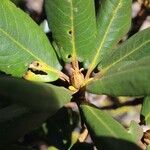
<point>29,104</point>
<point>37,96</point>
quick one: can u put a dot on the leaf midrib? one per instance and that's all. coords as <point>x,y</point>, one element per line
<point>25,49</point>
<point>73,34</point>
<point>102,122</point>
<point>104,38</point>
<point>119,60</point>
<point>125,71</point>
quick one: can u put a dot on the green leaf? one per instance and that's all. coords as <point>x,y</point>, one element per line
<point>12,111</point>
<point>136,131</point>
<point>73,25</point>
<point>16,128</point>
<point>148,147</point>
<point>52,148</point>
<point>127,80</point>
<point>29,104</point>
<point>133,49</point>
<point>106,132</point>
<point>113,22</point>
<point>23,45</point>
<point>145,111</point>
<point>33,95</point>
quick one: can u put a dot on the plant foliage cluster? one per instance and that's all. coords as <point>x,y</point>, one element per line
<point>88,41</point>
